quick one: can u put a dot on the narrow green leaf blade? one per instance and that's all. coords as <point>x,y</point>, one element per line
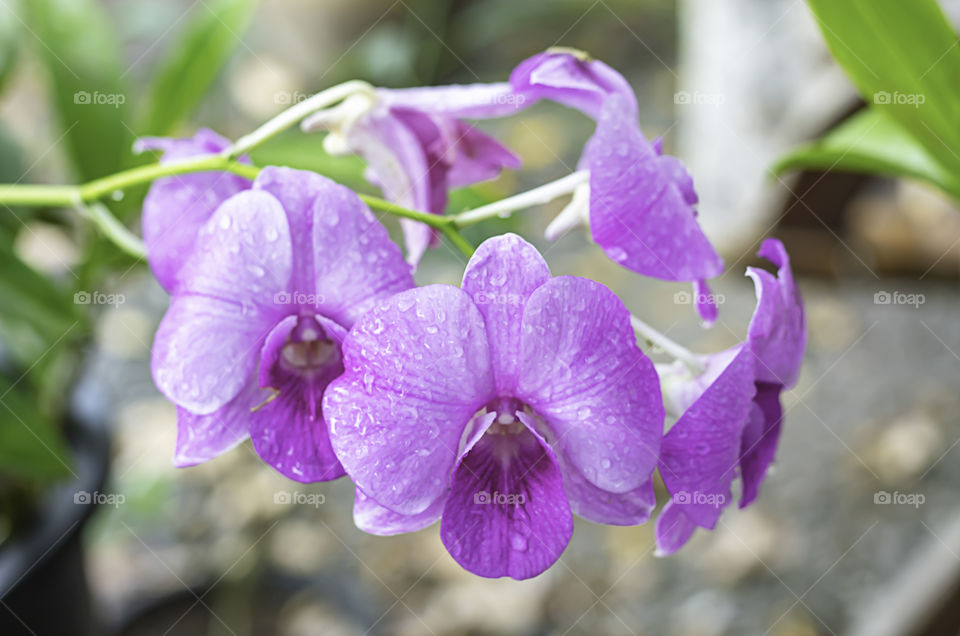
<point>905,60</point>
<point>872,142</point>
<point>11,36</point>
<point>210,37</point>
<point>82,56</point>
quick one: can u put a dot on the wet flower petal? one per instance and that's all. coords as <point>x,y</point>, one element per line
<point>371,517</point>
<point>499,278</point>
<point>572,79</point>
<point>507,513</point>
<point>208,342</point>
<point>582,371</point>
<point>176,207</point>
<point>777,331</point>
<point>701,451</point>
<point>759,442</point>
<point>639,212</point>
<point>417,369</point>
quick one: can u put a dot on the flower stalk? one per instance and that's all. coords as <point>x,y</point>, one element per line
<point>668,346</point>
<point>537,196</point>
<point>295,114</point>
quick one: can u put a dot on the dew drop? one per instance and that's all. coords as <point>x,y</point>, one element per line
<point>518,543</point>
<point>617,254</point>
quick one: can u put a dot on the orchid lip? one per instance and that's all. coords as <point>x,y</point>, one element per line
<point>309,350</point>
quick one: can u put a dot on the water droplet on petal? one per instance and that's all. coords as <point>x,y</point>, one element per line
<point>617,254</point>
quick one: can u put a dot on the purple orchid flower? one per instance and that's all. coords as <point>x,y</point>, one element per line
<point>415,152</point>
<point>176,207</point>
<point>731,413</point>
<point>253,334</point>
<point>502,408</point>
<point>640,207</point>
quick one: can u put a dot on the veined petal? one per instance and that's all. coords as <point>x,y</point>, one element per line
<point>400,167</point>
<point>176,207</point>
<point>507,513</point>
<point>701,451</point>
<point>395,157</point>
<point>673,529</point>
<point>639,214</point>
<point>500,277</point>
<point>479,157</point>
<point>760,437</point>
<point>207,344</point>
<point>777,332</point>
<point>200,438</point>
<point>468,101</point>
<point>371,517</point>
<point>582,371</point>
<point>289,432</point>
<point>417,369</point>
<point>599,506</point>
<point>573,80</point>
<point>344,259</point>
<point>705,302</point>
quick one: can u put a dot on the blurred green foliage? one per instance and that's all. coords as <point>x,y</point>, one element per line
<point>904,59</point>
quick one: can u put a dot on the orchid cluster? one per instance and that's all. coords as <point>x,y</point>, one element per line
<point>502,407</point>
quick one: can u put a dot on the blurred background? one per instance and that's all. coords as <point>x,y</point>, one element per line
<point>857,531</point>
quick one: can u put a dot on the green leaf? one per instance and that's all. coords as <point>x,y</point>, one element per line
<point>196,58</point>
<point>31,446</point>
<point>11,36</point>
<point>82,56</point>
<point>873,143</point>
<point>35,315</point>
<point>904,59</point>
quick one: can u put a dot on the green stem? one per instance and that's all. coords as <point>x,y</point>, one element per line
<point>455,237</point>
<point>92,191</point>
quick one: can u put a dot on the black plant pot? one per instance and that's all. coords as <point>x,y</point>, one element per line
<point>43,584</point>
